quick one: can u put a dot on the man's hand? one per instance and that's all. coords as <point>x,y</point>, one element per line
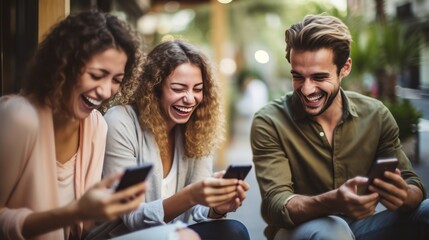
<point>352,205</point>
<point>392,193</point>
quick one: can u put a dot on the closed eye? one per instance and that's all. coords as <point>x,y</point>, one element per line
<point>96,76</point>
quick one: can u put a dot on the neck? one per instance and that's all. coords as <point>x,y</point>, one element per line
<point>66,133</point>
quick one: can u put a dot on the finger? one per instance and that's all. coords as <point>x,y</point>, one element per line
<point>244,185</point>
<point>126,207</point>
<point>109,181</point>
<point>241,193</point>
<point>132,191</point>
<point>219,182</point>
<point>220,191</point>
<point>220,199</point>
<point>219,174</point>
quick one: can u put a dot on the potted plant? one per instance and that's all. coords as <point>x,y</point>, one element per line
<point>407,117</point>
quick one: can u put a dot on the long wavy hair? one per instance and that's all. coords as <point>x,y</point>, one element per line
<point>61,57</point>
<point>204,130</point>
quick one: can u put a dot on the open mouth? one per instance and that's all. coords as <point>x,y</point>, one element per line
<point>313,100</point>
<point>183,110</point>
<point>90,102</point>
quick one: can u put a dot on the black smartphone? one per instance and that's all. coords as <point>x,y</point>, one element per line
<point>134,175</point>
<point>237,171</point>
<point>378,168</point>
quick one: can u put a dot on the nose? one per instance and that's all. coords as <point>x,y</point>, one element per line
<point>104,90</point>
<point>189,98</point>
<point>307,87</point>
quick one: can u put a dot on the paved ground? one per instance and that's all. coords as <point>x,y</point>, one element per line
<point>239,151</point>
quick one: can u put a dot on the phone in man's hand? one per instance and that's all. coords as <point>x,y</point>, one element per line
<point>378,168</point>
<point>238,171</point>
<point>134,175</point>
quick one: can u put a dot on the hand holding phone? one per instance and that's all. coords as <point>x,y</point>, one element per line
<point>134,175</point>
<point>237,171</point>
<point>378,168</point>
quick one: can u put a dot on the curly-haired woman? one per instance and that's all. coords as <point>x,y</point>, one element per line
<point>175,122</point>
<point>52,139</point>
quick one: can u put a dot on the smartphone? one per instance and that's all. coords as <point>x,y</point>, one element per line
<point>134,175</point>
<point>378,168</point>
<point>237,171</point>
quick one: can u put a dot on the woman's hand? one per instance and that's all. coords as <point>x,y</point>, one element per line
<point>213,192</point>
<point>100,202</point>
<point>237,201</point>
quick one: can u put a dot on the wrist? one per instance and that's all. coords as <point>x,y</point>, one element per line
<point>189,195</point>
<point>73,212</point>
<point>215,214</point>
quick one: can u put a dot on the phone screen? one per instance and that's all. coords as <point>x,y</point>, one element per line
<point>237,171</point>
<point>134,175</point>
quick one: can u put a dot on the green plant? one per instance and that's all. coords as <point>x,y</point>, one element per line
<point>406,116</point>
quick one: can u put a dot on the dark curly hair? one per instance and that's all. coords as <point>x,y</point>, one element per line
<point>61,57</point>
<point>204,130</point>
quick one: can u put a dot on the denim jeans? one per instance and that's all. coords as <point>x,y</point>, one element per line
<point>383,225</point>
<point>221,229</point>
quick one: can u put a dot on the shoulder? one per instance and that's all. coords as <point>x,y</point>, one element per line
<point>18,111</point>
<point>120,114</point>
<point>364,103</point>
<point>274,109</point>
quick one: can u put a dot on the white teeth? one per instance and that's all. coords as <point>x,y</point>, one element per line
<point>314,98</point>
<point>184,109</point>
<point>93,101</point>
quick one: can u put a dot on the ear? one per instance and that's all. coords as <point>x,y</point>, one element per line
<point>345,71</point>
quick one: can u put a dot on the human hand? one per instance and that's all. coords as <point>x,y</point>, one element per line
<point>100,202</point>
<point>393,192</point>
<point>350,204</point>
<point>213,191</point>
<point>237,201</point>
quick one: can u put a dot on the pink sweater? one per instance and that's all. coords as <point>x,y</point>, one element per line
<point>28,177</point>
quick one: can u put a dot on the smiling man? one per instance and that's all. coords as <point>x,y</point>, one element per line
<point>313,147</point>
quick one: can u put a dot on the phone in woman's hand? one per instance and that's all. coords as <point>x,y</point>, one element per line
<point>134,175</point>
<point>237,171</point>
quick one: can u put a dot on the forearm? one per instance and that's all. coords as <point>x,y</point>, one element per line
<point>177,204</point>
<point>303,208</point>
<point>415,196</point>
<point>43,222</point>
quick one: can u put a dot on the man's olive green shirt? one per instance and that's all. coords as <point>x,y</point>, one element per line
<point>292,155</point>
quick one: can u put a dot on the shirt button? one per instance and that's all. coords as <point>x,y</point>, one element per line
<point>321,134</point>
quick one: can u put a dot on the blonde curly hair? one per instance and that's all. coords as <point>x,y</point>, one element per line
<point>205,129</point>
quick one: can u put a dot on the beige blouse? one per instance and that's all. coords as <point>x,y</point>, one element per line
<point>28,174</point>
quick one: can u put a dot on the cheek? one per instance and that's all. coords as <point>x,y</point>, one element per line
<point>199,97</point>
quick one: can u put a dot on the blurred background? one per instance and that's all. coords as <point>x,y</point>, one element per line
<point>244,40</point>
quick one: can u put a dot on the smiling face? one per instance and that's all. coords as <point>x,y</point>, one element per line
<point>315,80</point>
<point>100,80</point>
<point>182,92</point>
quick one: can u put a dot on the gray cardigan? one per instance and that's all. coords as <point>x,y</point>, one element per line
<point>128,145</point>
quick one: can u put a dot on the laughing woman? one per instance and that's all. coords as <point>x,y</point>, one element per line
<point>52,138</point>
<point>175,122</point>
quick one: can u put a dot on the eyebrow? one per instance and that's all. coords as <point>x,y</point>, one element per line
<point>317,75</point>
<point>104,71</point>
<point>184,85</point>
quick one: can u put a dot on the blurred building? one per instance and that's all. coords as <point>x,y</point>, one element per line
<point>412,13</point>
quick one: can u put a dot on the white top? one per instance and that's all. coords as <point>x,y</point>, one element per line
<point>65,181</point>
<point>169,183</point>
